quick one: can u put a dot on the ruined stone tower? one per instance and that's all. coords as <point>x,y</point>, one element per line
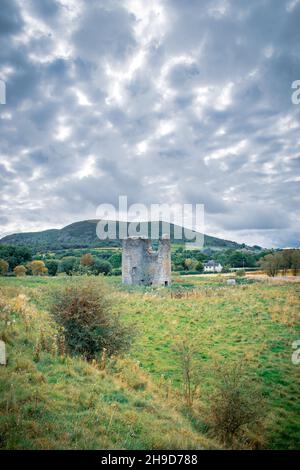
<point>143,266</point>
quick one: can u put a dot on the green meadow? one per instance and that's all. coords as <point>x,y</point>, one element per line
<point>54,401</point>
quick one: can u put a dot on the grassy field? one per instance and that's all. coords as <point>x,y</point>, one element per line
<point>65,402</point>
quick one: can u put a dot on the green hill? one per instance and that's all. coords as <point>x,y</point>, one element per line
<point>83,235</point>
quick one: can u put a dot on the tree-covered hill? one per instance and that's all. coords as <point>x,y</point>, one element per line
<point>83,235</point>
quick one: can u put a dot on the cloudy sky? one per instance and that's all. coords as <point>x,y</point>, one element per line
<point>160,100</point>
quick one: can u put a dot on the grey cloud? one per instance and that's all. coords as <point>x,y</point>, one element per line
<point>253,217</point>
<point>183,75</point>
<point>104,31</point>
<point>10,18</point>
<point>45,9</point>
<point>72,136</point>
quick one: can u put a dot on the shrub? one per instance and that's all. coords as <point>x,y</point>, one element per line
<point>20,271</point>
<point>190,264</point>
<point>101,267</point>
<point>52,266</point>
<point>186,352</point>
<point>84,309</point>
<point>236,405</point>
<point>37,268</point>
<point>87,260</point>
<point>69,265</point>
<point>3,266</point>
<point>116,260</point>
<point>199,266</point>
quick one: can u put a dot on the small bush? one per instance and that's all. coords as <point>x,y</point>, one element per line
<point>186,352</point>
<point>84,310</point>
<point>86,259</point>
<point>237,407</point>
<point>3,266</point>
<point>37,268</point>
<point>52,265</point>
<point>20,271</point>
<point>101,267</point>
<point>69,265</point>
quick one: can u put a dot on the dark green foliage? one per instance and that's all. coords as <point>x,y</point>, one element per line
<point>52,265</point>
<point>101,267</point>
<point>69,265</point>
<point>236,258</point>
<point>116,260</point>
<point>84,310</point>
<point>15,255</point>
<point>199,267</point>
<point>180,259</point>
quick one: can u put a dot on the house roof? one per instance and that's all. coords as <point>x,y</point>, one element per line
<point>211,263</point>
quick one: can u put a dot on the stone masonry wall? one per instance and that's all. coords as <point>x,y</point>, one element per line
<point>143,266</point>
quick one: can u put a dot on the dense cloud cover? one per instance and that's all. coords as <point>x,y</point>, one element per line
<point>162,100</point>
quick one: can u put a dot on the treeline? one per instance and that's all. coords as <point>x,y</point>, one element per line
<point>192,260</point>
<point>269,261</point>
<point>19,261</point>
<point>281,262</point>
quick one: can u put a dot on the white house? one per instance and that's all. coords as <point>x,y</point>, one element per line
<point>212,267</point>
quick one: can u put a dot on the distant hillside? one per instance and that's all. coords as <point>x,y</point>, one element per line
<point>83,235</point>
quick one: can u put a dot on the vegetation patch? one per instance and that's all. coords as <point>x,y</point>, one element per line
<point>138,398</point>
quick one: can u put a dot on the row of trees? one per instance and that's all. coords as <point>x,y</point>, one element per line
<point>282,261</point>
<point>19,260</point>
<point>192,260</point>
<point>87,264</point>
<point>238,259</point>
<point>272,263</point>
<point>113,256</point>
<point>34,268</point>
<point>187,260</point>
